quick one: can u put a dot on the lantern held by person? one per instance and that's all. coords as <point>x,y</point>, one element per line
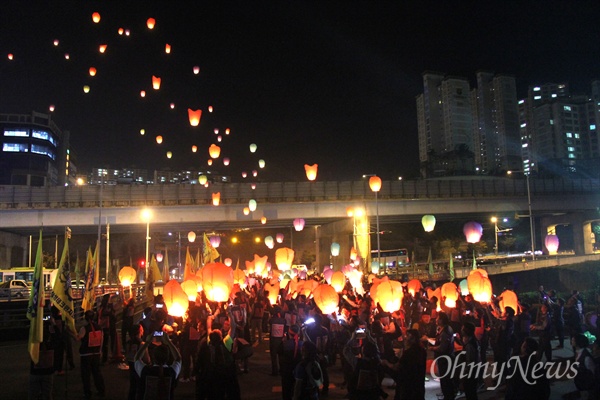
<point>217,280</point>
<point>176,299</point>
<point>450,294</point>
<point>190,288</point>
<point>127,276</point>
<point>480,286</point>
<point>338,281</point>
<point>414,286</point>
<point>326,298</point>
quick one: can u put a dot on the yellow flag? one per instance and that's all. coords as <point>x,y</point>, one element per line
<point>35,308</point>
<point>197,261</point>
<point>166,273</point>
<point>89,294</point>
<point>210,254</point>
<point>62,293</point>
<point>189,269</point>
<point>96,262</point>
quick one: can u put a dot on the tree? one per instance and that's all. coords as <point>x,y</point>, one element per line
<point>508,242</point>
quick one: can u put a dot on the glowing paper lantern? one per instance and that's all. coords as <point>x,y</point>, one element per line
<point>92,71</point>
<point>127,276</point>
<point>244,174</point>
<point>227,131</point>
<point>353,254</point>
<point>263,220</point>
<point>299,224</point>
<point>159,139</point>
<point>142,132</point>
<point>51,108</point>
<point>335,249</point>
<point>246,211</point>
<point>428,222</point>
<point>168,48</point>
<point>194,148</point>
<point>216,198</point>
<point>252,205</point>
<point>551,243</point>
<point>120,31</point>
<point>449,294</point>
<point>190,288</point>
<point>508,298</point>
<point>375,183</point>
<point>260,265</point>
<point>56,42</point>
<point>102,48</point>
<point>219,138</point>
<point>253,148</point>
<point>155,82</point>
<point>96,17</point>
<point>239,276</point>
<point>389,295</point>
<point>261,163</point>
<point>253,186</point>
<point>226,161</point>
<point>338,281</point>
<point>269,242</point>
<point>473,231</point>
<point>327,275</point>
<point>375,267</point>
<point>191,236</point>
<point>254,173</point>
<point>202,179</point>
<point>127,32</point>
<point>480,286</point>
<point>11,56</point>
<point>86,89</point>
<point>175,298</point>
<point>284,257</point>
<point>67,56</point>
<point>194,116</point>
<point>464,287</point>
<point>326,298</point>
<point>150,23</point>
<point>311,171</point>
<point>142,93</point>
<point>169,154</point>
<point>159,257</point>
<point>279,238</point>
<point>209,162</point>
<point>172,106</point>
<point>217,280</point>
<point>228,262</point>
<point>215,241</point>
<point>414,286</point>
<point>196,72</point>
<point>214,151</point>
<point>273,289</point>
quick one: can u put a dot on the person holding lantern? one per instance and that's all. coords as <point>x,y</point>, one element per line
<point>543,326</point>
<point>409,372</point>
<point>443,350</point>
<point>290,355</point>
<point>318,335</point>
<point>159,377</point>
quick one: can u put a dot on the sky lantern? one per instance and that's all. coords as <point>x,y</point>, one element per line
<point>214,151</point>
<point>450,294</point>
<point>194,148</point>
<point>159,257</point>
<point>120,31</point>
<point>142,131</point>
<point>102,48</point>
<point>92,71</point>
<point>155,82</point>
<point>551,242</point>
<point>11,56</point>
<point>311,171</point>
<point>508,298</point>
<point>473,231</point>
<point>326,298</point>
<point>216,198</point>
<point>168,48</point>
<point>414,286</point>
<point>150,23</point>
<point>226,161</point>
<point>246,211</point>
<point>209,162</point>
<point>169,154</point>
<point>284,257</point>
<point>127,32</point>
<point>86,89</point>
<point>56,42</point>
<point>375,183</point>
<point>239,277</point>
<point>253,148</point>
<point>335,249</point>
<point>215,241</point>
<point>273,289</point>
<point>172,106</point>
<point>479,285</point>
<point>244,174</point>
<point>428,222</point>
<point>216,131</point>
<point>217,280</point>
<point>260,265</point>
<point>252,205</point>
<point>263,220</point>
<point>327,274</point>
<point>196,70</point>
<point>159,139</point>
<point>127,276</point>
<point>279,238</point>
<point>299,224</point>
<point>269,242</point>
<point>192,236</point>
<point>261,163</point>
<point>219,138</point>
<point>202,179</point>
<point>175,298</point>
<point>227,131</point>
<point>142,93</point>
<point>67,56</point>
<point>253,186</point>
<point>194,116</point>
<point>338,281</point>
<point>190,288</point>
<point>96,17</point>
<point>464,287</point>
<point>353,254</point>
<point>254,173</point>
<point>228,261</point>
<point>249,267</point>
<point>389,295</point>
<point>51,108</point>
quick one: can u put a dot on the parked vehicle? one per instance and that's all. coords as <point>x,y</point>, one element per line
<point>16,288</point>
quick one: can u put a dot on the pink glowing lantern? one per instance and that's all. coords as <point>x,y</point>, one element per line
<point>473,231</point>
<point>299,224</point>
<point>551,243</point>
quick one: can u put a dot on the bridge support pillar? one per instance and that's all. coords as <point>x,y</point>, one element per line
<point>13,250</point>
<point>581,225</point>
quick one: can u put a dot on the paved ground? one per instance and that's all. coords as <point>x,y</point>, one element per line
<point>257,384</point>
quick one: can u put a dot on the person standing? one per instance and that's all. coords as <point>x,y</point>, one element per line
<point>41,374</point>
<point>290,355</point>
<point>106,321</point>
<point>258,312</point>
<point>409,372</point>
<point>471,357</point>
<point>159,377</point>
<point>543,326</point>
<point>90,335</point>
<point>276,329</point>
<point>127,322</point>
<point>443,351</point>
<point>307,374</point>
<point>318,335</point>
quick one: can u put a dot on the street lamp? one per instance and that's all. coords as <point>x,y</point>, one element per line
<point>495,221</point>
<point>375,185</point>
<point>526,173</point>
<point>146,217</point>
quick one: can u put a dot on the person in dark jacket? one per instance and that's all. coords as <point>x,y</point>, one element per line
<point>158,377</point>
<point>444,346</point>
<point>409,371</point>
<point>290,355</point>
<point>90,352</point>
<point>471,357</point>
<point>517,388</point>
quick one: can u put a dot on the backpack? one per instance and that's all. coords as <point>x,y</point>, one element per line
<point>584,380</point>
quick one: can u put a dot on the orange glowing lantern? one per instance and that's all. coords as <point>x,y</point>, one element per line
<point>217,280</point>
<point>142,131</point>
<point>227,131</point>
<point>159,139</point>
<point>450,294</point>
<point>102,48</point>
<point>190,288</point>
<point>192,236</point>
<point>11,56</point>
<point>375,183</point>
<point>353,254</point>
<point>298,224</point>
<point>311,171</point>
<point>338,281</point>
<point>96,17</point>
<point>389,295</point>
<point>480,286</point>
<point>194,148</point>
<point>127,276</point>
<point>246,211</point>
<point>168,48</point>
<point>214,151</point>
<point>194,116</point>
<point>414,286</point>
<point>209,161</point>
<point>260,265</point>
<point>437,293</point>
<point>263,220</point>
<point>273,289</point>
<point>473,231</point>
<point>142,93</point>
<point>120,31</point>
<point>428,222</point>
<point>216,198</point>
<point>326,298</point>
<point>196,72</point>
<point>150,23</point>
<point>92,71</point>
<point>508,298</point>
<point>239,277</point>
<point>155,82</point>
<point>175,298</point>
<point>284,257</point>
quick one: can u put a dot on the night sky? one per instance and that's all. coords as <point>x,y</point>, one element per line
<point>332,83</point>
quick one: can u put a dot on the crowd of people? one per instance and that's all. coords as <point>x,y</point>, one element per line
<point>211,345</point>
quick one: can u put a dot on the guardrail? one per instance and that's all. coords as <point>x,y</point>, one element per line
<point>23,197</point>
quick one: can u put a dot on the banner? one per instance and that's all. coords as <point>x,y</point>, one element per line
<point>89,294</point>
<point>210,254</point>
<point>62,291</point>
<point>451,267</point>
<point>189,269</point>
<point>35,307</point>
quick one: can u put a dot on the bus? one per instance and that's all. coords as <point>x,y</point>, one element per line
<point>25,274</point>
<point>391,259</point>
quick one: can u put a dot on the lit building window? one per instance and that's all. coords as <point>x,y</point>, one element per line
<point>15,147</point>
<point>553,95</point>
<point>592,127</point>
<point>536,89</point>
<point>537,97</point>
<point>17,133</point>
<point>523,125</point>
<point>567,108</point>
<point>577,136</point>
<point>569,134</point>
<point>571,155</point>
